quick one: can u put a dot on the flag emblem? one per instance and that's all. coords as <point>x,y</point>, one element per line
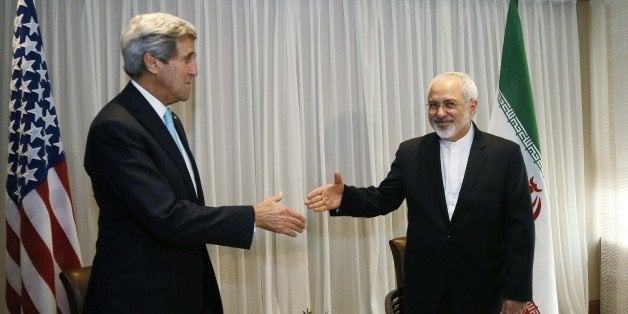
<point>536,195</point>
<point>531,308</point>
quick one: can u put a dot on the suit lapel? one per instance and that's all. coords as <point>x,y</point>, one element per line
<point>476,161</point>
<point>184,140</point>
<point>432,161</point>
<point>144,113</point>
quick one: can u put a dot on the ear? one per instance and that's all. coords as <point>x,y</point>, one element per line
<point>473,106</point>
<point>150,62</point>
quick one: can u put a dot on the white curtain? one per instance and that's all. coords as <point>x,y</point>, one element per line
<point>609,91</point>
<point>290,91</point>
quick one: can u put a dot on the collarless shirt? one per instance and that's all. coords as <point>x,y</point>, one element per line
<point>453,163</point>
<point>160,109</point>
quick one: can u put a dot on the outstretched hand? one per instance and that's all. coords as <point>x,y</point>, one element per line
<point>272,216</point>
<point>326,197</point>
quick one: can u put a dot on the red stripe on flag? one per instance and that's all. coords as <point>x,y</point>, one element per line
<point>37,251</point>
<point>13,299</point>
<point>62,248</point>
<point>62,172</point>
<point>27,304</point>
<point>13,245</point>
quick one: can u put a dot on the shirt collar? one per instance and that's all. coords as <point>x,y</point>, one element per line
<point>463,143</point>
<point>159,108</point>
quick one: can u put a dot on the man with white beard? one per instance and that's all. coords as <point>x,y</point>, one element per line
<point>470,237</point>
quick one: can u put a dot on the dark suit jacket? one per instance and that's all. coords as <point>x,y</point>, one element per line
<point>485,252</point>
<point>150,253</point>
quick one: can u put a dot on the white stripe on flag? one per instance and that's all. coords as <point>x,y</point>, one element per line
<point>13,217</point>
<point>37,213</point>
<point>37,289</point>
<point>13,276</point>
<point>62,208</point>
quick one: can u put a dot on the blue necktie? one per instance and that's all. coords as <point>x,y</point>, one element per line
<point>170,126</point>
<point>168,118</point>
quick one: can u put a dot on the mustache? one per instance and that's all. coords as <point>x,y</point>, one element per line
<point>444,119</point>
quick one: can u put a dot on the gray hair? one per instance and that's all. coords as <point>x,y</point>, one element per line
<point>154,33</point>
<point>469,89</point>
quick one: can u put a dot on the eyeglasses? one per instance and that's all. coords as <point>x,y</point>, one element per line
<point>433,106</point>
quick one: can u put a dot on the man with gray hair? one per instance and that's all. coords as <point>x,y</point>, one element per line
<point>153,224</point>
<point>470,237</point>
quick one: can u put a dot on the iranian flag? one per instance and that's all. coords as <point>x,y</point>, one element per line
<point>514,118</point>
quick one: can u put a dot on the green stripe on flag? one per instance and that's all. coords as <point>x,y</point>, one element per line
<point>514,78</point>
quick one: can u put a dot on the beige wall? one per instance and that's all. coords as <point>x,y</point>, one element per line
<point>593,232</point>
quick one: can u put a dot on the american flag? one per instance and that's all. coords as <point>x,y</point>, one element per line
<point>41,233</point>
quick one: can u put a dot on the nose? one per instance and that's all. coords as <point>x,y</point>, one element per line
<point>194,69</point>
<point>441,111</point>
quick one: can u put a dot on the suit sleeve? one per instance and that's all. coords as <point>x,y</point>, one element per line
<point>127,179</point>
<point>518,232</point>
<point>373,201</point>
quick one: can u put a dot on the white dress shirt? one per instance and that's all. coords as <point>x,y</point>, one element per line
<point>161,109</point>
<point>453,163</point>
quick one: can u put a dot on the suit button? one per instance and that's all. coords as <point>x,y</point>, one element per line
<point>448,236</point>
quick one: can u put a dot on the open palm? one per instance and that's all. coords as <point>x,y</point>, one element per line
<point>326,197</point>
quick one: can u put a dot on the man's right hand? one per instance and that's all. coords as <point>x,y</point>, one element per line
<point>272,216</point>
<point>326,197</point>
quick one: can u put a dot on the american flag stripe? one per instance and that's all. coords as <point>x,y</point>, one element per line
<point>26,303</point>
<point>13,229</point>
<point>13,298</point>
<point>14,280</point>
<point>63,219</point>
<point>41,230</point>
<point>35,290</point>
<point>34,244</point>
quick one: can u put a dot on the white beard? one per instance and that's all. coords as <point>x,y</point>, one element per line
<point>445,133</point>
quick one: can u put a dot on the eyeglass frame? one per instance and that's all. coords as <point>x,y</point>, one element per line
<point>446,104</point>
